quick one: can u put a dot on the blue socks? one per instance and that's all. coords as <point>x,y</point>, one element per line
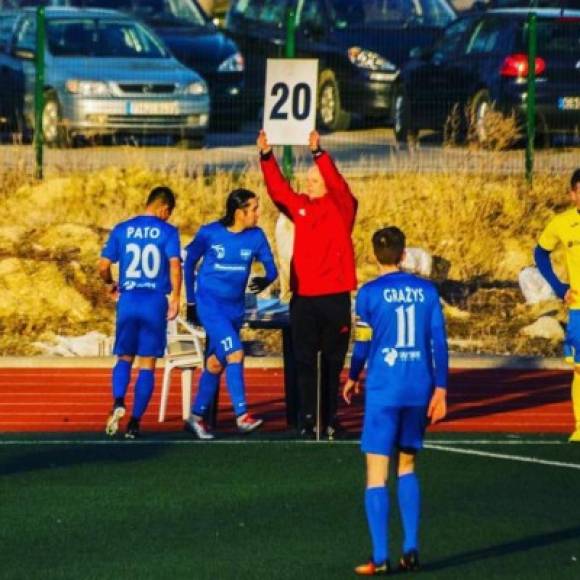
<point>121,378</point>
<point>236,388</point>
<point>377,509</point>
<point>208,385</point>
<point>143,391</point>
<point>409,507</point>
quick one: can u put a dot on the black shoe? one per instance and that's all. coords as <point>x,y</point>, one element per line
<point>133,430</point>
<point>409,561</point>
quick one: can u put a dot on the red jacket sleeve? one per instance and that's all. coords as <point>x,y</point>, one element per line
<point>279,190</point>
<point>338,189</point>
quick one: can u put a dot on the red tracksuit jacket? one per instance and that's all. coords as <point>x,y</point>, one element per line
<point>323,259</point>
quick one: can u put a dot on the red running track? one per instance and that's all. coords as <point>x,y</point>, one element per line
<point>77,400</point>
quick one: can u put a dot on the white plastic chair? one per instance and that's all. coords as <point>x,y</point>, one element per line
<point>185,352</point>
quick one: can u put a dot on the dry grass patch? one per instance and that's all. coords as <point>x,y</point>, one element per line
<point>484,227</point>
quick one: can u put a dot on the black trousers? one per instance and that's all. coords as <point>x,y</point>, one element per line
<point>319,324</point>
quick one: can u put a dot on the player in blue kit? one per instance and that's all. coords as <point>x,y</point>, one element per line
<point>400,331</point>
<point>147,250</point>
<point>215,295</point>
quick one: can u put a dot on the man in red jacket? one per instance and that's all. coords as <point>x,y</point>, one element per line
<point>321,278</point>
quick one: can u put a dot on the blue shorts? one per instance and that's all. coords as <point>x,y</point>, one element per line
<point>222,329</point>
<point>386,427</point>
<point>573,334</point>
<point>141,324</point>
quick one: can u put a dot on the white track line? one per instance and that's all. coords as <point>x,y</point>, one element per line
<point>437,445</point>
<point>519,458</point>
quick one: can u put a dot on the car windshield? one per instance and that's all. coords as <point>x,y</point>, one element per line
<point>101,38</point>
<point>348,13</point>
<point>170,12</point>
<point>558,36</point>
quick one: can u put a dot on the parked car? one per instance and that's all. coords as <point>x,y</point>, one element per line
<point>105,74</point>
<point>481,64</point>
<point>360,44</point>
<point>192,38</point>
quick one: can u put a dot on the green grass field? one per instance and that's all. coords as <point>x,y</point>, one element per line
<point>279,509</point>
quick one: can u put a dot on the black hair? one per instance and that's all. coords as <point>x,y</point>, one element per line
<point>164,195</point>
<point>575,180</point>
<point>388,245</point>
<point>237,199</point>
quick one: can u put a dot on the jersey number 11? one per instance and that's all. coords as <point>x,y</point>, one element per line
<point>405,326</point>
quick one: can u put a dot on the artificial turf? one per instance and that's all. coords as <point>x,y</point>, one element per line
<point>275,509</point>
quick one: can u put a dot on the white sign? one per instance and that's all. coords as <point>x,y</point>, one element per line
<point>290,100</point>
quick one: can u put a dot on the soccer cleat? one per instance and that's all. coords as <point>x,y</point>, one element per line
<point>113,420</point>
<point>197,427</point>
<point>575,437</point>
<point>372,569</point>
<point>246,423</point>
<point>133,430</point>
<point>409,561</point>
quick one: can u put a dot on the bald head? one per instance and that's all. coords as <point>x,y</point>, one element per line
<point>315,186</point>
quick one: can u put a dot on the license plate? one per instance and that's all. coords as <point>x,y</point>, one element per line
<point>569,103</point>
<point>152,108</point>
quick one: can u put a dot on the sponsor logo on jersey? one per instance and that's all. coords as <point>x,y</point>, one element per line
<point>220,251</point>
<point>245,253</point>
<point>390,356</point>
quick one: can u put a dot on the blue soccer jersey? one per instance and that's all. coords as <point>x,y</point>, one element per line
<point>227,260</point>
<point>407,351</point>
<point>143,247</point>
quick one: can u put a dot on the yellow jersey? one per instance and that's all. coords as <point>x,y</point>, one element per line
<point>564,229</point>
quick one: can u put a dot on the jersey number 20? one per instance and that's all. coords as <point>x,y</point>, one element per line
<point>146,260</point>
<point>405,326</point>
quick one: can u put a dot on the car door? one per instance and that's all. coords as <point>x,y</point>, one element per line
<point>430,80</point>
<point>11,85</point>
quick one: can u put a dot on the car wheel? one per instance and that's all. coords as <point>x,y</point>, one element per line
<point>401,115</point>
<point>331,116</point>
<point>480,109</point>
<point>54,132</point>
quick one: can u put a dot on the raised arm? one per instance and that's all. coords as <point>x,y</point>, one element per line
<point>336,185</point>
<point>277,186</point>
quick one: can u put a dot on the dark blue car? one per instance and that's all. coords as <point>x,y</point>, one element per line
<point>360,44</point>
<point>481,64</point>
<point>191,37</point>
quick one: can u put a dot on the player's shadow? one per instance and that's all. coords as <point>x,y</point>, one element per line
<point>63,457</point>
<point>522,545</point>
<point>480,392</point>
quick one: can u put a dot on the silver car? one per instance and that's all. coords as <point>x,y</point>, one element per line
<point>105,74</point>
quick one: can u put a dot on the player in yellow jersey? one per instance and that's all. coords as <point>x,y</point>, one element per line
<point>564,229</point>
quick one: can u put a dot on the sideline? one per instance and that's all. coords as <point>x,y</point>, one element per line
<point>439,445</point>
<point>489,454</point>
